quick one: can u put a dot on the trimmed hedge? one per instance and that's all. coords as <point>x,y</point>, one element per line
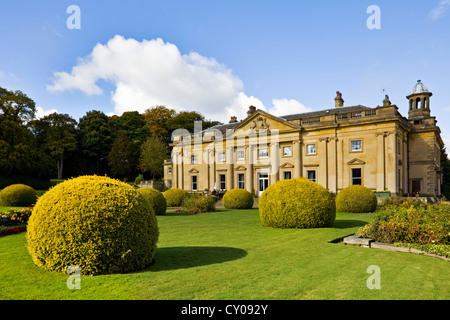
<point>356,199</point>
<point>238,199</point>
<point>99,224</point>
<point>155,199</point>
<point>297,203</point>
<point>174,197</point>
<point>18,195</point>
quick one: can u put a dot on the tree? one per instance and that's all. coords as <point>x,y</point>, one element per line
<point>445,166</point>
<point>56,133</point>
<point>186,120</point>
<point>16,106</point>
<point>156,121</point>
<point>133,124</point>
<point>153,154</point>
<point>124,157</point>
<point>21,161</point>
<point>96,138</point>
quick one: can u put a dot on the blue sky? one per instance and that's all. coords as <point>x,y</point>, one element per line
<point>217,57</point>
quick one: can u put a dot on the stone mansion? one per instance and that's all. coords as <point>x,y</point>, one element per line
<point>336,147</point>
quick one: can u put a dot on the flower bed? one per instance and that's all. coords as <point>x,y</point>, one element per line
<point>5,231</point>
<point>412,224</point>
<point>14,221</point>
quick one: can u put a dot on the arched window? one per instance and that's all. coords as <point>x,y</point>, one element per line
<point>418,103</point>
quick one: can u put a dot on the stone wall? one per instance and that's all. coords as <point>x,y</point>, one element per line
<point>158,185</point>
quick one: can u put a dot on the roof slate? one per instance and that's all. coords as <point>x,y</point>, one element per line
<point>291,117</point>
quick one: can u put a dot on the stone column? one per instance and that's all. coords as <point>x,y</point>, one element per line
<point>332,165</point>
<point>181,171</point>
<point>274,162</point>
<point>230,167</point>
<point>175,169</point>
<point>297,154</point>
<point>249,166</point>
<point>323,167</point>
<point>391,161</point>
<point>381,161</point>
<point>212,168</point>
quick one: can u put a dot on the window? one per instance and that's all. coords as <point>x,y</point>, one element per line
<point>193,159</point>
<point>169,184</point>
<point>241,182</point>
<point>222,179</point>
<point>194,183</point>
<point>356,176</point>
<point>241,155</point>
<point>311,175</point>
<point>263,153</point>
<point>287,175</point>
<point>169,170</point>
<point>356,145</point>
<point>311,149</point>
<point>222,156</point>
<point>287,151</point>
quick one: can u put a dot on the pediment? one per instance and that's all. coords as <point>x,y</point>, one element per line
<point>260,121</point>
<point>240,168</point>
<point>356,161</point>
<point>286,165</point>
<point>193,170</point>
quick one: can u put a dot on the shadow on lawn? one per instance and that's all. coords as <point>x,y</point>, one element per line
<point>173,258</point>
<point>344,224</point>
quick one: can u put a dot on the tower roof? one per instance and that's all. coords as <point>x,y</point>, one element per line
<point>419,87</point>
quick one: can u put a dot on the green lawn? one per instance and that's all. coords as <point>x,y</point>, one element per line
<point>230,255</point>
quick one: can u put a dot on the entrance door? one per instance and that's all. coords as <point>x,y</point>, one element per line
<point>263,182</point>
<point>415,184</point>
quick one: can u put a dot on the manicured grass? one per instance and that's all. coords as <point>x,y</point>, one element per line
<point>229,255</point>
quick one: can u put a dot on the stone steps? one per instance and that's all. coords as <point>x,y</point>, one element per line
<point>356,240</point>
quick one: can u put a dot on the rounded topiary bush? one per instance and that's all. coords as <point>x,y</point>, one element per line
<point>237,199</point>
<point>18,195</point>
<point>155,199</point>
<point>356,199</point>
<point>97,223</point>
<point>174,197</point>
<point>297,203</point>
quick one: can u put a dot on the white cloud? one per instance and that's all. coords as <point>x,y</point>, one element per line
<point>150,73</point>
<point>153,72</point>
<point>40,112</point>
<point>440,10</point>
<point>283,107</point>
<point>239,107</point>
<point>447,109</point>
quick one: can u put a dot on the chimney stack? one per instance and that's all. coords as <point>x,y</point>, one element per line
<point>251,110</point>
<point>386,101</point>
<point>338,100</point>
<point>233,119</point>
